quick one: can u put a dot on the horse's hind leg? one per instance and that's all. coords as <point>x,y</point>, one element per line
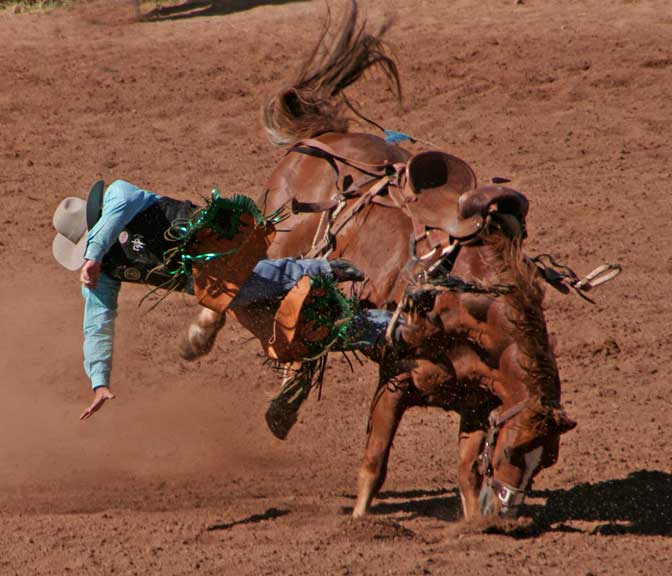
<point>387,410</point>
<point>201,334</point>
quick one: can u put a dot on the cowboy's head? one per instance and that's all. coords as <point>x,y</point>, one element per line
<point>72,220</point>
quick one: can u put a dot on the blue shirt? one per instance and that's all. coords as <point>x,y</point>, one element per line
<point>122,202</point>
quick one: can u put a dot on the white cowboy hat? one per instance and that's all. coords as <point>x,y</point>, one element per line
<point>72,219</point>
<point>70,243</point>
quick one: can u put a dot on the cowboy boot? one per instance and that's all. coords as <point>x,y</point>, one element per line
<point>283,410</point>
<point>345,271</point>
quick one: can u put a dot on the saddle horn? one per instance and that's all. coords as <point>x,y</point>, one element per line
<point>478,202</point>
<point>510,208</point>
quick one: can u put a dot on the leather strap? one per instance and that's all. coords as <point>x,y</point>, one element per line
<point>497,420</point>
<point>384,201</point>
<point>312,207</point>
<point>363,200</point>
<point>376,169</point>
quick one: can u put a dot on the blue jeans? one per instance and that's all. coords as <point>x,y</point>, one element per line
<point>272,279</point>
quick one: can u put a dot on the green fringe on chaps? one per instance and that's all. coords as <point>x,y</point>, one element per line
<point>332,310</point>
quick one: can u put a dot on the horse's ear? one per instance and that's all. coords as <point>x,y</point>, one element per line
<point>562,422</point>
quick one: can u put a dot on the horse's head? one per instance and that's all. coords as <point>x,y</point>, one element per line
<point>521,441</point>
<point>524,431</point>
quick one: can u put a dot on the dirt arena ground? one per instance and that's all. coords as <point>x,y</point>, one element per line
<point>571,100</point>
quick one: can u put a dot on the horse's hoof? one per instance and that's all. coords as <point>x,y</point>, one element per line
<point>187,351</point>
<point>198,342</point>
<point>358,514</point>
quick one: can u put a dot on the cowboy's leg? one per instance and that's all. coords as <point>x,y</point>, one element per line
<point>368,328</point>
<point>272,279</point>
<point>265,283</point>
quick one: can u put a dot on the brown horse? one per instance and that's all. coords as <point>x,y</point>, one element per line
<point>483,353</point>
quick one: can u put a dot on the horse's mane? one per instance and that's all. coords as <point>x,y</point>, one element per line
<point>507,259</point>
<point>309,105</point>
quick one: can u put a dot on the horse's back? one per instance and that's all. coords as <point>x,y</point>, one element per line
<point>364,147</point>
<point>309,178</point>
<point>376,238</point>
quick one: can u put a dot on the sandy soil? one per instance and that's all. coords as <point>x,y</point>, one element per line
<point>179,475</point>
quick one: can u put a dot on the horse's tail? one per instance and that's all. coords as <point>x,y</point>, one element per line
<point>313,103</point>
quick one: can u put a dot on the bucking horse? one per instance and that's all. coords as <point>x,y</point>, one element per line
<point>440,252</point>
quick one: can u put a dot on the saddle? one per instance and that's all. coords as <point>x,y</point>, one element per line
<point>434,183</point>
<point>437,191</point>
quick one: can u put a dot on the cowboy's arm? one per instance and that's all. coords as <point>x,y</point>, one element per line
<point>100,311</point>
<point>123,201</point>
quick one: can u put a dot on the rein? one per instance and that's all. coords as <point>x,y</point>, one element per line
<point>563,278</point>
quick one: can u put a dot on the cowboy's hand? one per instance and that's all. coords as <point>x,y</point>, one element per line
<point>89,273</point>
<point>101,394</point>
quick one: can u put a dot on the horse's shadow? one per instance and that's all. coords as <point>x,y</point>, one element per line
<point>440,504</point>
<point>270,514</point>
<point>194,8</point>
<point>641,503</point>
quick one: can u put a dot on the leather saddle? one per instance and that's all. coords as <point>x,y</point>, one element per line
<point>441,192</point>
<point>436,190</point>
<point>435,181</point>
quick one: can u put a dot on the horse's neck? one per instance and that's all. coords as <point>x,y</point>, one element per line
<point>483,262</point>
<point>513,324</point>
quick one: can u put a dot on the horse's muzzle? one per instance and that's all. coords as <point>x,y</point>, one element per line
<point>499,499</point>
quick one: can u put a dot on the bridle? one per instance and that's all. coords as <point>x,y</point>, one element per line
<point>508,496</point>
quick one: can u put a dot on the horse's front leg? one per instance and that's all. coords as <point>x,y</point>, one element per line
<point>469,477</point>
<point>388,407</point>
<point>201,334</point>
